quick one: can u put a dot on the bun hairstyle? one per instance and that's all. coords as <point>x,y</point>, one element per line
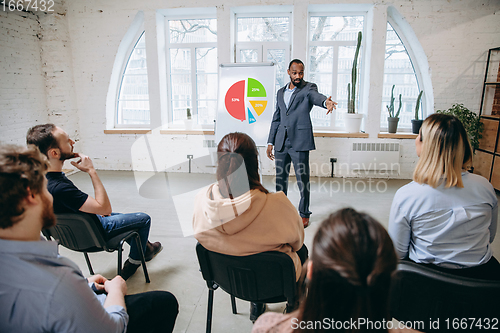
<point>445,152</point>
<point>353,259</point>
<point>238,165</point>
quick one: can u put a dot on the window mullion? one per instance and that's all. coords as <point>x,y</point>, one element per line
<point>194,85</point>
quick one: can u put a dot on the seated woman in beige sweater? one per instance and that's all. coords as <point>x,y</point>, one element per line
<point>238,216</point>
<point>348,280</point>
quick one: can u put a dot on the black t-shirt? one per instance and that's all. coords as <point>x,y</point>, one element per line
<point>67,197</point>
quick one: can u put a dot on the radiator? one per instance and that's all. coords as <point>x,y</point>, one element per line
<point>374,156</point>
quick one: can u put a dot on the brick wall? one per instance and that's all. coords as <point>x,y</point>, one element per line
<point>57,68</point>
<point>22,83</point>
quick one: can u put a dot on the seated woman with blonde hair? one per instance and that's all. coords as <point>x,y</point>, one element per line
<point>239,217</point>
<point>447,217</point>
<point>348,280</point>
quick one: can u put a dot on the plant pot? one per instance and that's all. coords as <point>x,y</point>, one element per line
<point>188,124</point>
<point>415,126</point>
<point>393,124</point>
<point>352,122</point>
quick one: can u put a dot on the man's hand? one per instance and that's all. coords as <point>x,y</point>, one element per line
<point>98,281</point>
<point>269,152</point>
<point>116,289</point>
<point>117,285</point>
<point>330,105</point>
<point>84,163</point>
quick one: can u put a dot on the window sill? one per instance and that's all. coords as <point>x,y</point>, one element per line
<point>397,135</point>
<point>340,135</point>
<point>127,131</point>
<point>189,132</point>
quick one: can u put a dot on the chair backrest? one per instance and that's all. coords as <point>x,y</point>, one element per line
<point>79,232</point>
<point>264,277</point>
<point>419,293</point>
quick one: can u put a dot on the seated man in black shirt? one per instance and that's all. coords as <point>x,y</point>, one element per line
<point>58,147</point>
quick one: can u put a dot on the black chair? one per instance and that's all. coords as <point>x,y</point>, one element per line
<point>267,277</point>
<point>420,293</point>
<point>84,232</point>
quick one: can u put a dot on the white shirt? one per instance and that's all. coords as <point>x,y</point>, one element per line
<point>449,227</point>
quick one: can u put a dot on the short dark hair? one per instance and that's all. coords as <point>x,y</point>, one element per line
<point>20,168</point>
<point>295,61</point>
<point>42,137</point>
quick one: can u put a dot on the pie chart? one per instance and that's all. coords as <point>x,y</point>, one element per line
<point>250,90</point>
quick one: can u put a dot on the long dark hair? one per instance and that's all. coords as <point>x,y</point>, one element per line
<point>352,261</point>
<point>236,152</point>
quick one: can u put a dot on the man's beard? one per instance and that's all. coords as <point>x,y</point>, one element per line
<point>48,216</point>
<point>297,82</point>
<point>67,156</point>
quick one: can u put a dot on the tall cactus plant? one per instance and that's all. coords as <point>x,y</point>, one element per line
<point>418,104</point>
<point>390,107</point>
<point>351,87</point>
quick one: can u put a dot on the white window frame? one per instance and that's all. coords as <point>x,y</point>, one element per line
<point>336,44</point>
<point>123,54</point>
<point>263,47</point>
<point>210,14</point>
<point>125,63</point>
<point>418,60</point>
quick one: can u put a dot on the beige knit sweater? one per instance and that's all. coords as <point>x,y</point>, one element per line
<point>251,223</point>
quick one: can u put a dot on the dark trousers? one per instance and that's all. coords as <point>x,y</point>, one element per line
<point>488,271</point>
<point>151,312</point>
<point>300,160</point>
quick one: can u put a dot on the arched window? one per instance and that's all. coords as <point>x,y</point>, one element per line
<point>407,68</point>
<point>132,107</point>
<point>398,71</point>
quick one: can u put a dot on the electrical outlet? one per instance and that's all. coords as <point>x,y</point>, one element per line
<point>190,157</point>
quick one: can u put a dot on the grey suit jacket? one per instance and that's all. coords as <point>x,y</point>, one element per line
<point>295,121</point>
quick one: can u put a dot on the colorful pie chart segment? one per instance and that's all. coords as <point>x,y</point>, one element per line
<point>235,100</point>
<point>255,88</point>
<point>251,118</point>
<point>255,94</point>
<point>259,106</point>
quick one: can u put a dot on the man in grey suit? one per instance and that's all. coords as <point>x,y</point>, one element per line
<point>291,132</point>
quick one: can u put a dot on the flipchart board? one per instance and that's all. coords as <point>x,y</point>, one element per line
<point>246,100</point>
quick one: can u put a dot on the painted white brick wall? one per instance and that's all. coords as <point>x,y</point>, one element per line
<point>82,44</point>
<point>22,83</point>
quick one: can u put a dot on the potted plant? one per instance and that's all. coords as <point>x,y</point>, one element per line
<point>470,120</point>
<point>393,118</point>
<point>417,123</point>
<point>352,119</point>
<point>188,122</point>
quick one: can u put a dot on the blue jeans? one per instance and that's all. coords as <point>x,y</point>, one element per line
<point>118,223</point>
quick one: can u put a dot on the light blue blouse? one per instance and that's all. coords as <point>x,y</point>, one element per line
<point>449,227</point>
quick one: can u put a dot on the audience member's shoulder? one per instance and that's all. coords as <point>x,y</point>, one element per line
<point>272,322</point>
<point>474,178</point>
<point>278,198</point>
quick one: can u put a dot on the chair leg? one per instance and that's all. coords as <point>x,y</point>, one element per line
<point>209,310</point>
<point>88,263</point>
<point>119,266</point>
<point>143,260</point>
<point>233,304</point>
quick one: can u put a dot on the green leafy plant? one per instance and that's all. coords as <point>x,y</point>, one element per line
<point>188,113</point>
<point>351,87</point>
<point>390,107</point>
<point>470,120</point>
<point>418,104</point>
